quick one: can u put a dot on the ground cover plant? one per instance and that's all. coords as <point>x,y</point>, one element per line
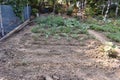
<point>58,26</point>
<point>110,28</point>
<point>70,27</point>
<point>114,36</point>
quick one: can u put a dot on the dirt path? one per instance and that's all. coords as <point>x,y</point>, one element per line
<point>103,39</point>
<point>26,57</point>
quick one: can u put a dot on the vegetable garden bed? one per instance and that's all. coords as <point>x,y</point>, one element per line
<point>33,56</point>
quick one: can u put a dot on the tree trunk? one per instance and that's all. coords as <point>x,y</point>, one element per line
<point>54,4</point>
<point>103,9</point>
<point>108,7</point>
<point>54,8</point>
<point>117,8</point>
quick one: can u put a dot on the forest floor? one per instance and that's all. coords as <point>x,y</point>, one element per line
<point>22,57</point>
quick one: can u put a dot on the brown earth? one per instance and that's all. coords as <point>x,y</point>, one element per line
<point>25,56</point>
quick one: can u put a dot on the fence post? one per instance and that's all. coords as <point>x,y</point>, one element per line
<point>1,22</point>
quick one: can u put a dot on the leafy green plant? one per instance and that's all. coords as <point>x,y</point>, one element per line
<point>34,11</point>
<point>57,26</point>
<point>50,21</point>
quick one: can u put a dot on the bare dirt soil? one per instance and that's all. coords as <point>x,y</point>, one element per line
<point>25,56</point>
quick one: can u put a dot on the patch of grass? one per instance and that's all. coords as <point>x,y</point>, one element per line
<point>111,28</point>
<point>35,37</point>
<point>36,29</point>
<point>116,22</point>
<point>105,28</point>
<point>50,21</point>
<point>56,25</point>
<point>114,36</point>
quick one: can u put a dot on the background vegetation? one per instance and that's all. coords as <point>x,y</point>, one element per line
<point>100,15</point>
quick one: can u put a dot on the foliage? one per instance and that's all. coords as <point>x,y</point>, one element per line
<point>50,21</point>
<point>114,36</point>
<point>34,11</point>
<point>92,7</point>
<point>111,28</point>
<point>105,28</point>
<point>18,8</point>
<point>70,10</point>
<point>60,8</point>
<point>57,26</point>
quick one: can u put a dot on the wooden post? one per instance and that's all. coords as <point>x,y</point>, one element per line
<point>1,21</point>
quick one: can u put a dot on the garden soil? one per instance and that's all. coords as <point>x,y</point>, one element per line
<point>26,56</point>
